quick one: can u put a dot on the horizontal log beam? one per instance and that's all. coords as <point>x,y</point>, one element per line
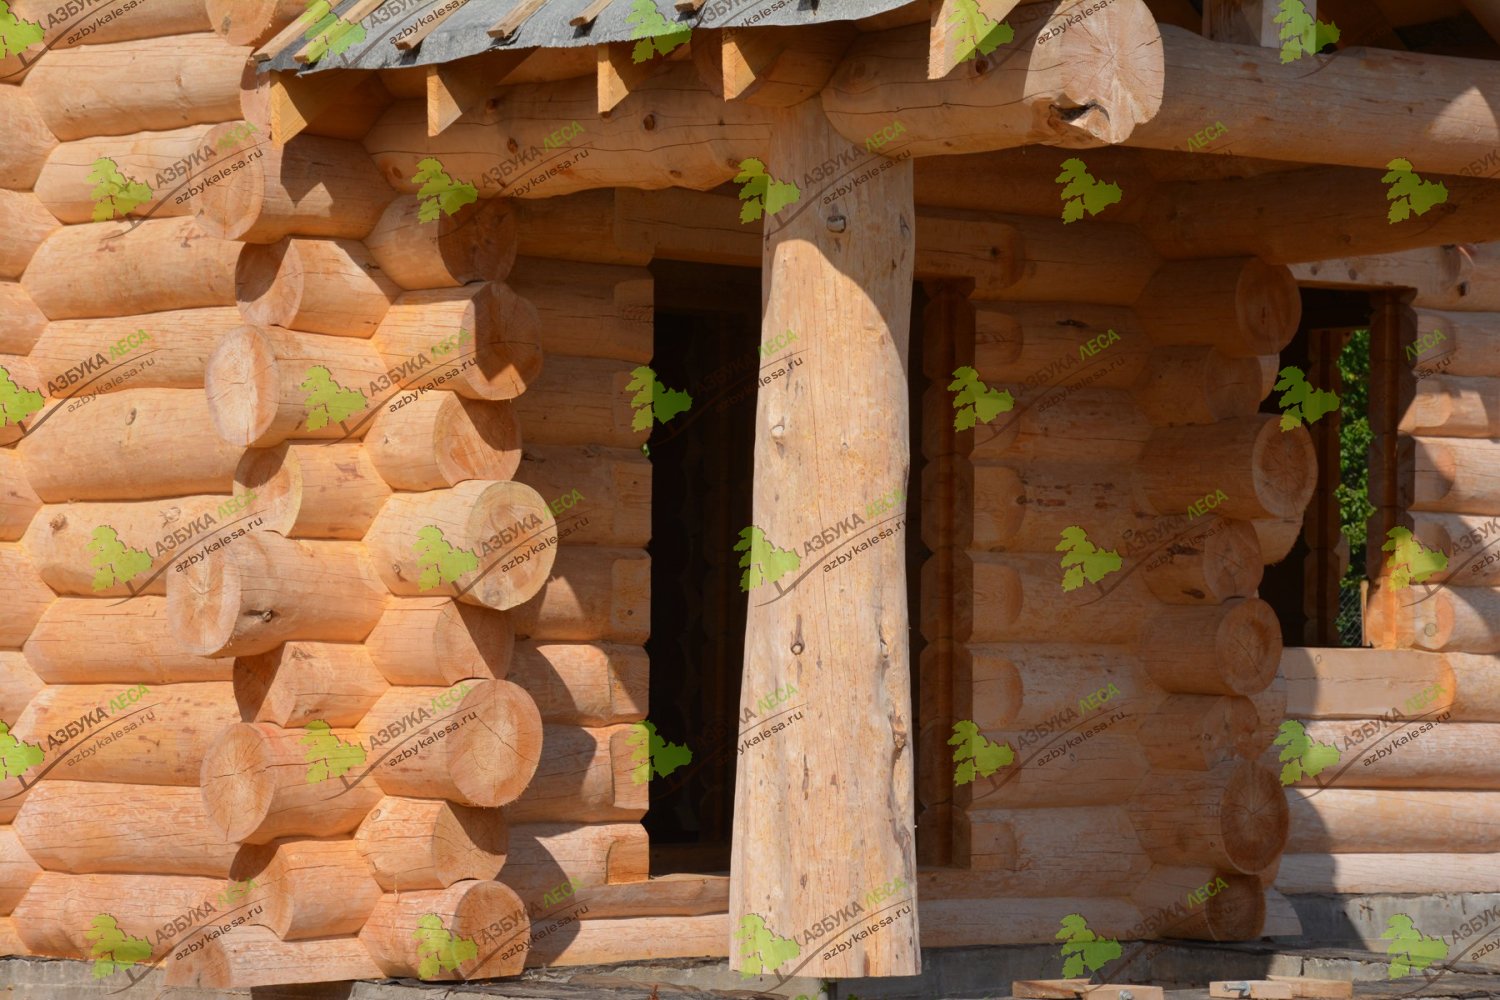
<point>1345,108</point>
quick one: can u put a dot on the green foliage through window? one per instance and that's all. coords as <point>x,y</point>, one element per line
<point>1353,490</point>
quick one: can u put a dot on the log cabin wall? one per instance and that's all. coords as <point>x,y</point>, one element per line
<point>1393,812</point>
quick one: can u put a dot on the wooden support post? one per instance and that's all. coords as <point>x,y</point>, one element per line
<point>831,439</point>
<point>1246,22</point>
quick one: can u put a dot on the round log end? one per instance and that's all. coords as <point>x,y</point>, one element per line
<point>1219,561</point>
<point>1276,537</point>
<point>1285,469</point>
<point>477,243</point>
<point>238,780</point>
<point>431,843</point>
<point>1106,74</point>
<point>476,440</point>
<point>1268,306</point>
<point>275,476</point>
<point>999,696</point>
<point>242,384</point>
<point>1253,818</point>
<point>268,281</point>
<point>1248,646</point>
<point>1233,386</point>
<point>507,345</point>
<point>518,537</point>
<point>230,207</point>
<point>999,503</point>
<point>203,602</point>
<point>468,843</point>
<point>492,758</point>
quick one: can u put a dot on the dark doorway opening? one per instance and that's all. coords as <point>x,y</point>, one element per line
<point>1316,589</point>
<point>702,476</point>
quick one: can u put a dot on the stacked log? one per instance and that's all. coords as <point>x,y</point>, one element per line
<point>1134,690</point>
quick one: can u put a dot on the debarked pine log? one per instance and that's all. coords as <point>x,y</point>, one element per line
<point>476,243</point>
<point>66,27</point>
<point>28,139</point>
<point>261,782</point>
<point>1453,406</point>
<point>1232,816</point>
<point>1202,903</point>
<point>58,913</point>
<point>1072,82</point>
<point>18,501</point>
<point>268,384</point>
<point>1019,845</point>
<point>309,888</point>
<point>1456,475</point>
<point>262,590</point>
<point>1405,873</point>
<point>321,489</point>
<point>318,286</point>
<point>1459,343</point>
<point>483,542</point>
<point>18,684</point>
<point>1443,618</point>
<point>168,350</point>
<point>1263,470</point>
<point>588,308</point>
<point>251,22</point>
<point>1241,306</point>
<point>75,545</point>
<point>1233,648</point>
<point>1467,540</point>
<point>89,641</point>
<point>150,265</point>
<point>1420,750</point>
<point>128,86</point>
<point>588,775</point>
<point>167,163</point>
<point>477,743</point>
<point>441,439</point>
<point>600,496</point>
<point>253,956</point>
<point>21,322</point>
<point>543,856</point>
<point>1366,683</point>
<point>17,871</point>
<point>580,401</point>
<point>1392,821</point>
<point>298,682</point>
<point>271,196</point>
<point>27,224</point>
<point>694,139</point>
<point>26,596</point>
<point>439,641</point>
<point>584,684</point>
<point>83,827</point>
<point>131,734</point>
<point>489,914</point>
<point>414,844</point>
<point>482,340</point>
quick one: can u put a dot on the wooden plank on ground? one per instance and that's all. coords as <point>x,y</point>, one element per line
<point>1317,989</point>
